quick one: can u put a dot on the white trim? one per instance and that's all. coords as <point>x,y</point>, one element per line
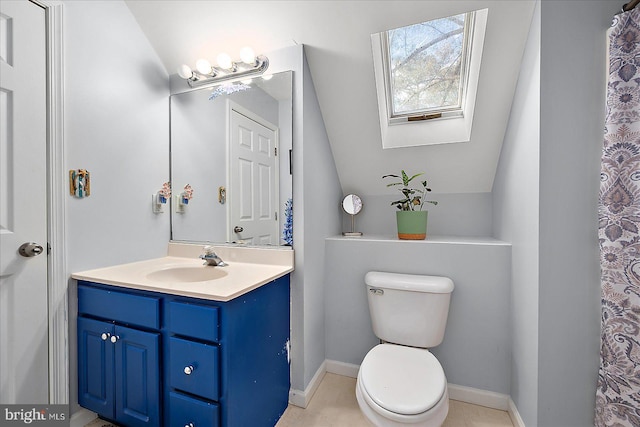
<point>476,396</point>
<point>302,398</point>
<point>342,368</point>
<point>516,419</point>
<point>82,417</point>
<point>57,274</point>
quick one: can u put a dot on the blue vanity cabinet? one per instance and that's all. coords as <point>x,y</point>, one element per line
<point>118,364</point>
<point>228,359</point>
<point>206,363</point>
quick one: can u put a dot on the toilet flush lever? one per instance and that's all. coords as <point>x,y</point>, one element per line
<point>376,291</point>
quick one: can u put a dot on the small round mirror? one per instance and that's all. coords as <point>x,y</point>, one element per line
<point>352,204</point>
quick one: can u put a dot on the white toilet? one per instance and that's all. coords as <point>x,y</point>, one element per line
<point>400,382</point>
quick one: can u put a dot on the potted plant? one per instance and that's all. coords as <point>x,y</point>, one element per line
<point>411,219</point>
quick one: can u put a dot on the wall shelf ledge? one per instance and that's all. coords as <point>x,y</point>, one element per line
<point>431,240</point>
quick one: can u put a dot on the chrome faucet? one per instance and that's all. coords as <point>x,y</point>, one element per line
<point>210,258</point>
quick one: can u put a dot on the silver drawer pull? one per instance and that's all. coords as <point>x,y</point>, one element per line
<point>190,425</point>
<point>189,369</point>
<point>376,291</point>
<point>114,338</point>
<point>105,336</point>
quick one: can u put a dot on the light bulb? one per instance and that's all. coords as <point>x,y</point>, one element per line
<point>247,55</point>
<point>203,66</point>
<point>224,61</point>
<point>185,72</point>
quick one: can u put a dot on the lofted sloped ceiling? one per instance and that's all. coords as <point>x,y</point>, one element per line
<point>336,35</point>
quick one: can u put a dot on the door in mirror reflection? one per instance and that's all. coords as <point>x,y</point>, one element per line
<point>253,175</point>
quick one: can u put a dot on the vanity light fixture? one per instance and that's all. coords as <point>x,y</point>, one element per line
<point>226,70</point>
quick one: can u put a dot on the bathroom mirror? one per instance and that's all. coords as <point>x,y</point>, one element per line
<point>233,152</point>
<point>352,205</point>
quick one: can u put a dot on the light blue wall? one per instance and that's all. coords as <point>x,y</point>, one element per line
<point>463,214</point>
<point>555,291</point>
<point>572,97</point>
<point>476,350</point>
<point>117,127</point>
<point>320,187</point>
<point>516,216</point>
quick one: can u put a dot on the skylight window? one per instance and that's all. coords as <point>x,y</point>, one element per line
<point>427,79</point>
<point>426,67</point>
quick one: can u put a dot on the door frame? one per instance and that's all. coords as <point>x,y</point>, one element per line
<point>57,276</point>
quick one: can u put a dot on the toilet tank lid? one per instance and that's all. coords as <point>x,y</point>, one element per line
<point>409,282</point>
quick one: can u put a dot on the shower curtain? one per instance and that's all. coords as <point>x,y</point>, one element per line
<point>618,393</point>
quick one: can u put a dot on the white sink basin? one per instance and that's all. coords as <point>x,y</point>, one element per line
<point>184,274</point>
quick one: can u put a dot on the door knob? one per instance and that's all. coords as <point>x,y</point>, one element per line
<point>30,249</point>
<point>238,229</point>
<point>189,369</point>
<point>114,338</point>
<point>105,336</point>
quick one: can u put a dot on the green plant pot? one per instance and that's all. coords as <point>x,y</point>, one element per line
<point>412,225</point>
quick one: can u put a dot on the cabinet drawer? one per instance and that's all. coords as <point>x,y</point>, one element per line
<point>202,360</point>
<point>185,411</point>
<point>119,306</point>
<point>193,320</point>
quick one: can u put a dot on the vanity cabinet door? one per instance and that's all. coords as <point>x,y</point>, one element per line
<point>119,372</point>
<point>95,366</point>
<point>137,379</point>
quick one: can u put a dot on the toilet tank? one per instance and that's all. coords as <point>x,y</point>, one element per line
<point>408,309</point>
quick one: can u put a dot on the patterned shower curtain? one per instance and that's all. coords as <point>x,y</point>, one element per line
<point>618,394</point>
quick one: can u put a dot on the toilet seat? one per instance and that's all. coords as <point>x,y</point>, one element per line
<point>401,382</point>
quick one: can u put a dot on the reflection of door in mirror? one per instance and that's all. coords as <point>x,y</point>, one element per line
<point>253,175</point>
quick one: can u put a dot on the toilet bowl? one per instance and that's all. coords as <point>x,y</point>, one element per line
<point>400,386</point>
<point>400,383</point>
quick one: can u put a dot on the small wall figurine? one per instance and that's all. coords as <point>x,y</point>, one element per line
<point>79,183</point>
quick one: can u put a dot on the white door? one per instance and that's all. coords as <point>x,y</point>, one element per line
<point>23,205</point>
<point>253,180</point>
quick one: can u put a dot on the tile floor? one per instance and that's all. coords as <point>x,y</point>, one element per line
<point>334,405</point>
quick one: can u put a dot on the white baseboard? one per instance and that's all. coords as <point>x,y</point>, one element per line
<point>82,417</point>
<point>480,397</point>
<point>342,368</point>
<point>302,398</point>
<point>516,419</point>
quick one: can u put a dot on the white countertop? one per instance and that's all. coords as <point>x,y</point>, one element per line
<point>241,277</point>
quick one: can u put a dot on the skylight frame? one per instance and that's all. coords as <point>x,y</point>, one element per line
<point>430,112</point>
